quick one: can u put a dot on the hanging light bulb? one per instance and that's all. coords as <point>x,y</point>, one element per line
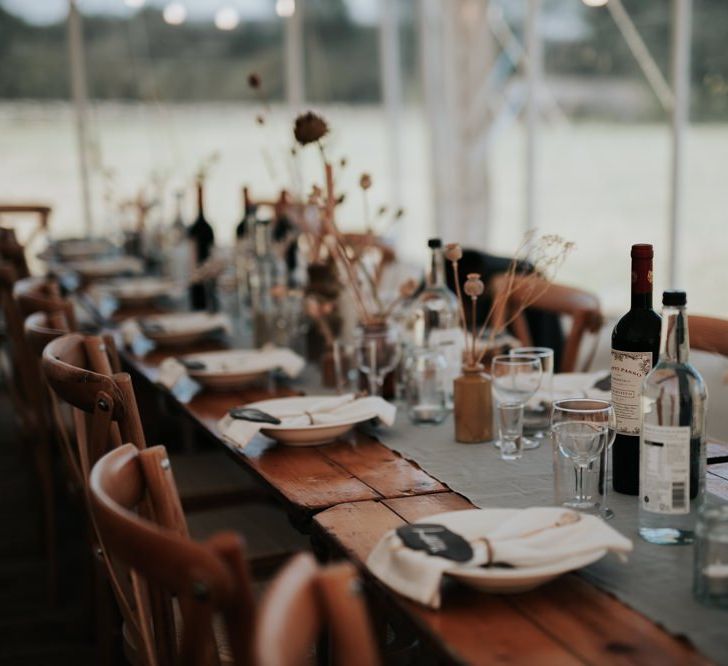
<point>175,13</point>
<point>227,18</point>
<point>595,3</point>
<point>285,8</point>
<point>134,3</point>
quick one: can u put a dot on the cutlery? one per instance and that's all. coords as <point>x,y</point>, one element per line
<point>254,415</point>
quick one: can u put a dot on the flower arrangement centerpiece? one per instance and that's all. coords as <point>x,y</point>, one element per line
<point>536,262</point>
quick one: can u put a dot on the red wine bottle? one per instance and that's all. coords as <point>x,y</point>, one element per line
<point>202,237</point>
<point>635,349</point>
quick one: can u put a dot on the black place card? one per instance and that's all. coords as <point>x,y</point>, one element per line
<point>435,540</point>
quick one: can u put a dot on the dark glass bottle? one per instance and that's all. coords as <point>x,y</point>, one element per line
<point>635,349</point>
<point>202,238</point>
<point>246,226</point>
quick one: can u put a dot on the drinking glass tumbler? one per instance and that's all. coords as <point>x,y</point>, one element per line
<point>537,416</point>
<point>515,380</point>
<point>710,581</point>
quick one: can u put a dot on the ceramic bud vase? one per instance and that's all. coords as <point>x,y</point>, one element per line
<point>473,406</point>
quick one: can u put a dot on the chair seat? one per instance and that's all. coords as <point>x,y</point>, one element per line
<point>267,531</point>
<point>210,479</point>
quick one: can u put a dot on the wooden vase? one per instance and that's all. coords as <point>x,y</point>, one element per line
<point>473,406</point>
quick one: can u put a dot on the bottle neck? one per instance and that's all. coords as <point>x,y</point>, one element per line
<point>200,202</point>
<point>436,274</point>
<point>262,239</point>
<point>641,283</point>
<point>674,337</point>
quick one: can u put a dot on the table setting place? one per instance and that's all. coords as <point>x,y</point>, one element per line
<point>174,329</point>
<point>229,369</point>
<point>303,420</point>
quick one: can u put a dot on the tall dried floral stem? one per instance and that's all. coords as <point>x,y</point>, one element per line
<point>473,303</point>
<point>461,307</point>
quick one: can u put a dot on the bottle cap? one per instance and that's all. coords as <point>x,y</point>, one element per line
<point>674,297</point>
<point>642,251</point>
<point>434,243</point>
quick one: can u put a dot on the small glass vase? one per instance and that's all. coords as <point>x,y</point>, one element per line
<point>381,339</point>
<point>473,406</point>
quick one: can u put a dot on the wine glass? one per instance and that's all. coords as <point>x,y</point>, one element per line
<point>583,429</point>
<point>515,379</point>
<point>377,357</point>
<point>537,415</point>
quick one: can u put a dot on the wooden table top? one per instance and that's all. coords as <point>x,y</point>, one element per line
<point>356,489</point>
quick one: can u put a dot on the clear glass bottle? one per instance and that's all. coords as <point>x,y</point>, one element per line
<point>267,281</point>
<point>245,248</point>
<point>672,439</point>
<point>435,318</point>
<point>177,259</point>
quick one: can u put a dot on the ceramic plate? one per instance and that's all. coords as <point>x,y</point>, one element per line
<point>139,291</point>
<point>228,369</point>
<point>176,330</point>
<point>74,249</point>
<point>311,435</point>
<point>97,268</point>
<point>503,580</point>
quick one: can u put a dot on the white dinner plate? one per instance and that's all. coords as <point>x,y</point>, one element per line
<point>141,290</point>
<point>102,268</point>
<point>181,329</point>
<point>225,370</point>
<point>502,580</point>
<point>310,435</point>
<point>75,249</point>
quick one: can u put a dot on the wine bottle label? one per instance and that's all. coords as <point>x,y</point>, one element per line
<point>628,371</point>
<point>665,469</point>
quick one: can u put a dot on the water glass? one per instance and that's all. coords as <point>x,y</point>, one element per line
<point>425,382</point>
<point>710,579</point>
<point>377,358</point>
<point>537,418</point>
<point>583,430</point>
<point>515,380</point>
<point>510,430</point>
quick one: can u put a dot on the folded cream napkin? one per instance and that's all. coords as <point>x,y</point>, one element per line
<point>328,410</point>
<point>182,322</point>
<point>234,361</point>
<point>530,537</point>
<point>573,385</point>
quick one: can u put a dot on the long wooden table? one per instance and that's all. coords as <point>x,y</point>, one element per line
<point>348,493</point>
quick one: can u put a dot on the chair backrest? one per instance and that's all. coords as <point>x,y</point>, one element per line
<point>143,532</point>
<point>708,334</point>
<point>301,602</point>
<point>581,306</point>
<point>83,372</point>
<point>35,294</point>
<point>13,252</point>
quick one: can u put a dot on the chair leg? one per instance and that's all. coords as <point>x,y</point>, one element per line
<point>44,470</point>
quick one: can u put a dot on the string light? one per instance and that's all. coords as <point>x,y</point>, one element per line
<point>175,13</point>
<point>227,18</point>
<point>134,3</point>
<point>285,8</point>
<point>595,3</point>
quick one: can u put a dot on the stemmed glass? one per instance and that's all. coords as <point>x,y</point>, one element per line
<point>377,358</point>
<point>538,412</point>
<point>515,379</point>
<point>583,429</point>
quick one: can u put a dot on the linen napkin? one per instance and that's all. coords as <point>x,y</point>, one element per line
<point>328,410</point>
<point>530,537</point>
<point>238,360</point>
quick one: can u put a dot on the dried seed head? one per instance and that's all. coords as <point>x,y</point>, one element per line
<point>309,128</point>
<point>453,252</point>
<point>254,81</point>
<point>340,199</point>
<point>408,288</point>
<point>260,119</point>
<point>365,181</point>
<point>473,286</point>
<point>399,213</point>
<point>381,210</point>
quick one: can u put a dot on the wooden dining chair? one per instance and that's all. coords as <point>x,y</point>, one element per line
<point>170,589</point>
<point>305,600</point>
<point>214,492</point>
<point>708,334</point>
<point>13,252</point>
<point>10,247</point>
<point>40,294</point>
<point>581,306</point>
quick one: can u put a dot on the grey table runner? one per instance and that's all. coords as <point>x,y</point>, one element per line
<point>657,580</point>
